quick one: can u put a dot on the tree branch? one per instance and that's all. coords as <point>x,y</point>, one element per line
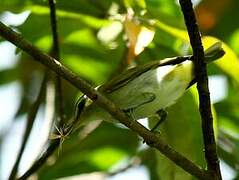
<point>203,91</point>
<point>150,138</point>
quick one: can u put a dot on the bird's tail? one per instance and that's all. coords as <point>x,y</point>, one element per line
<point>214,52</point>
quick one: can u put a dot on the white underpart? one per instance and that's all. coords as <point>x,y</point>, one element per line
<point>162,71</point>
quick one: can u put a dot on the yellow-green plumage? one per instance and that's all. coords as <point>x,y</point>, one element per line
<point>144,90</point>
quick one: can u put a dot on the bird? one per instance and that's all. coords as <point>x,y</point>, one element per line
<point>145,90</point>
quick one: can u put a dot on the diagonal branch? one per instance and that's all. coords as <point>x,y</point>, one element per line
<point>203,91</point>
<point>150,138</point>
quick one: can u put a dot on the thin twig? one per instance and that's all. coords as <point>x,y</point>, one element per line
<point>150,138</point>
<point>203,91</point>
<point>55,52</point>
<point>29,124</point>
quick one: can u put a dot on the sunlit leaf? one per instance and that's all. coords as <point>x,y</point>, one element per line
<point>145,37</point>
<point>139,36</point>
<point>135,3</point>
<point>85,67</point>
<point>82,37</point>
<point>86,19</point>
<point>234,41</point>
<point>44,43</point>
<point>110,32</point>
<point>165,10</point>
<point>106,157</point>
<point>178,33</point>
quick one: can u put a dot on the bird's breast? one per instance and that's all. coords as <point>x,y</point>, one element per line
<point>168,83</point>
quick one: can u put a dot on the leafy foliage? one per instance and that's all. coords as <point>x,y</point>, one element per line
<point>93,44</point>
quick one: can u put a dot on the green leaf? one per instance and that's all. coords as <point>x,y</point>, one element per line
<point>88,20</point>
<point>182,130</point>
<point>164,10</point>
<point>234,39</point>
<point>44,43</point>
<point>15,6</point>
<point>33,31</point>
<point>110,32</point>
<point>85,66</point>
<point>84,37</point>
<point>178,33</point>
<point>135,4</point>
<point>113,156</point>
<point>83,6</point>
<point>8,75</point>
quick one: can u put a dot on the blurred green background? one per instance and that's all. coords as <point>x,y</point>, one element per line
<point>93,36</point>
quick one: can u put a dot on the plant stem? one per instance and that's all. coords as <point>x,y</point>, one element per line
<point>203,91</point>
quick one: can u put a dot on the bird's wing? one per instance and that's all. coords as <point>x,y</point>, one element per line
<point>124,78</point>
<point>130,104</point>
<point>128,75</point>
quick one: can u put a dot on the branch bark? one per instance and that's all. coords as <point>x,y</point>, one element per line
<point>203,91</point>
<point>150,138</point>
